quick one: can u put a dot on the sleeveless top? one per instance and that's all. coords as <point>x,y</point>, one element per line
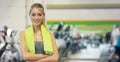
<point>39,47</point>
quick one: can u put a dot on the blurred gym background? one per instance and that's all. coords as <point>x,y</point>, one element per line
<point>82,28</point>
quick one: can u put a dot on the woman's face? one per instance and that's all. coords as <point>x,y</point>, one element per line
<point>37,16</point>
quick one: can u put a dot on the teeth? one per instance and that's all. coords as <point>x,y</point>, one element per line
<point>36,21</point>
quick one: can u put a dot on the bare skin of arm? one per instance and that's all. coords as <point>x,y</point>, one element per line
<point>54,57</point>
<point>25,54</point>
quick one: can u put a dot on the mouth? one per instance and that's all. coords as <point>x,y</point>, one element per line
<point>36,21</point>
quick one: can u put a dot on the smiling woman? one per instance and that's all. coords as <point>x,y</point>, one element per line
<point>37,41</point>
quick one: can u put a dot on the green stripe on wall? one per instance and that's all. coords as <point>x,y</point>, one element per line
<point>96,27</point>
<point>86,22</point>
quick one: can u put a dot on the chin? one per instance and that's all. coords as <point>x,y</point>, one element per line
<point>37,24</point>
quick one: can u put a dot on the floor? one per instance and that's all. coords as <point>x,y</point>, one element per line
<point>99,54</point>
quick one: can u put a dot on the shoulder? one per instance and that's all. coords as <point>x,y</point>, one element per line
<point>22,35</point>
<point>22,32</point>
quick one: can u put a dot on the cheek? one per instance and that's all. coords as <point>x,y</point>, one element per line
<point>41,17</point>
<point>32,18</point>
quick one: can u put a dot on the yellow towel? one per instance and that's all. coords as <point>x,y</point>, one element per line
<point>29,34</point>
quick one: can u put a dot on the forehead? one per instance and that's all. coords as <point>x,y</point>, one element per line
<point>37,10</point>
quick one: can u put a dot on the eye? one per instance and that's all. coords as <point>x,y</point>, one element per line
<point>39,14</point>
<point>33,14</point>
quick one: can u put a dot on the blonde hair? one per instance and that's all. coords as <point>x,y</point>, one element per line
<point>37,5</point>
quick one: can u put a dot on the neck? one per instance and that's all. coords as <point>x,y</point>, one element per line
<point>36,28</point>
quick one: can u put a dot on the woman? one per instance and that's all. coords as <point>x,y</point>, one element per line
<point>36,42</point>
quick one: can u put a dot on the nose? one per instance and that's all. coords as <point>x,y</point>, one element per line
<point>36,17</point>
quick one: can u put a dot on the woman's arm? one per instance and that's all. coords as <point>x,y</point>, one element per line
<point>24,50</point>
<point>54,57</point>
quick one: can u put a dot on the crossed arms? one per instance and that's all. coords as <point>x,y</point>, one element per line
<point>37,57</point>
